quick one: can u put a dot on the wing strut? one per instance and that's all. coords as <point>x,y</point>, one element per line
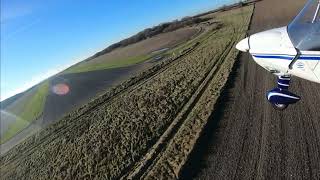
<point>295,59</point>
<point>316,13</point>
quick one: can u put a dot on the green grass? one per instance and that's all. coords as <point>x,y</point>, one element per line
<point>86,67</point>
<point>27,111</point>
<point>13,129</point>
<point>34,106</point>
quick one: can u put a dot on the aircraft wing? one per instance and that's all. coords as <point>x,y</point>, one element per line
<point>304,30</point>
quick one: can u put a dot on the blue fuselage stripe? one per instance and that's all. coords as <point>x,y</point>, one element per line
<point>311,58</point>
<point>273,57</point>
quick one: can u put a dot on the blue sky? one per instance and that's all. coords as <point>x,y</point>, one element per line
<point>40,38</point>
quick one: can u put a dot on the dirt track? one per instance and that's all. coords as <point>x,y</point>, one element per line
<point>246,138</point>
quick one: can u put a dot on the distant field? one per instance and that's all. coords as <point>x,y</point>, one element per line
<point>146,126</point>
<point>26,110</point>
<point>135,53</point>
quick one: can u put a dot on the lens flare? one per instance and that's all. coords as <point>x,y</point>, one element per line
<point>61,89</point>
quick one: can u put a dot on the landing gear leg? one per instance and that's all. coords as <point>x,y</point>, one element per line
<point>280,107</point>
<point>280,97</point>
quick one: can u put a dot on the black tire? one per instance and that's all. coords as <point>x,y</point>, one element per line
<point>280,107</point>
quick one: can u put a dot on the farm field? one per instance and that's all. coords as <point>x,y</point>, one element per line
<point>135,53</point>
<point>247,138</point>
<point>147,126</point>
<point>84,81</point>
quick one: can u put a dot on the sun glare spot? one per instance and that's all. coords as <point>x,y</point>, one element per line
<point>61,89</point>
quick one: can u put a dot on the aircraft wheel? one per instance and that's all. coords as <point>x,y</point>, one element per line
<point>280,107</point>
